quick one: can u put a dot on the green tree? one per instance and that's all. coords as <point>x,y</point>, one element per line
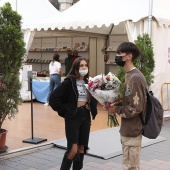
<point>145,62</point>
<point>11,54</point>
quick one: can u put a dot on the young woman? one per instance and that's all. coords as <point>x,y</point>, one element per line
<point>73,102</point>
<point>55,75</point>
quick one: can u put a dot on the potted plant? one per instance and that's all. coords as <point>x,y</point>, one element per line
<point>11,53</point>
<point>145,62</point>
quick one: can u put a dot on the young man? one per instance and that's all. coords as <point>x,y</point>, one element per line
<point>133,104</point>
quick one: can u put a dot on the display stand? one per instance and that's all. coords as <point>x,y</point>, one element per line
<point>32,140</point>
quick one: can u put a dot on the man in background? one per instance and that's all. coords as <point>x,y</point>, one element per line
<point>68,61</point>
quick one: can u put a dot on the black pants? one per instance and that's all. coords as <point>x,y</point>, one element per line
<point>77,128</point>
<point>77,132</point>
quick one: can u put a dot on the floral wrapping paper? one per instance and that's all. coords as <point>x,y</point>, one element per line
<point>105,89</point>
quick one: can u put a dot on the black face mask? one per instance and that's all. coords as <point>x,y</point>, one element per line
<point>70,56</point>
<point>119,62</point>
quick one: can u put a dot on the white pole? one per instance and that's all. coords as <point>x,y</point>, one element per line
<point>150,18</point>
<point>16,5</point>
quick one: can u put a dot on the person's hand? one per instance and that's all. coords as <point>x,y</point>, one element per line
<point>87,106</point>
<point>111,109</point>
<point>107,105</point>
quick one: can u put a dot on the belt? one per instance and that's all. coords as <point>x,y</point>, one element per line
<point>54,74</point>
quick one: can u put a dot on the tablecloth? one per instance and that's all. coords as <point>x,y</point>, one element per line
<point>40,90</point>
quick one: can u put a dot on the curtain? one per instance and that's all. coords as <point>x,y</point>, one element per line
<point>161,46</point>
<point>135,28</point>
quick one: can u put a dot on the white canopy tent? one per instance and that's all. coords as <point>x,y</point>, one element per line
<point>90,15</point>
<point>96,16</point>
<point>87,13</point>
<point>32,12</point>
<point>99,17</point>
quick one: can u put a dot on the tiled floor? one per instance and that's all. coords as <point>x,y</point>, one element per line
<point>47,125</point>
<point>153,157</point>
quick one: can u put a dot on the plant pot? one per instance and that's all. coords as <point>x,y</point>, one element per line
<point>2,139</point>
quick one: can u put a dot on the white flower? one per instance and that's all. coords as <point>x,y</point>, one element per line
<point>105,89</point>
<point>96,77</point>
<point>104,78</point>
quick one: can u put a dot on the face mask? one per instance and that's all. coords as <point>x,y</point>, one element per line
<point>119,62</point>
<point>83,72</point>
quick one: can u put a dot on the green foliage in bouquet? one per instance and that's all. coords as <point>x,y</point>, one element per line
<point>112,120</point>
<point>11,53</point>
<point>145,62</point>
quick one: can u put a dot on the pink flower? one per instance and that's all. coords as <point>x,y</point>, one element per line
<point>108,78</point>
<point>90,83</point>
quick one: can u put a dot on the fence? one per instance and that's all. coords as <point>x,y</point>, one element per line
<point>165,94</point>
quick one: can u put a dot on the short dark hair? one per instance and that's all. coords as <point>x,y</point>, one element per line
<point>69,51</point>
<point>129,47</point>
<point>74,71</point>
<point>56,57</point>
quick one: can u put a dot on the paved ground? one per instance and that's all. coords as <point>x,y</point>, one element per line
<point>153,157</point>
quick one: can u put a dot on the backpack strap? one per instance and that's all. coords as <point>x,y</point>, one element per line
<point>142,78</point>
<point>145,84</point>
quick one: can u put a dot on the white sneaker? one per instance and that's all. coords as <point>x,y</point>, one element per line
<point>46,104</point>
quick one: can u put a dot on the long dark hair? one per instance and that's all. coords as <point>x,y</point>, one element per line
<point>74,71</point>
<point>56,57</point>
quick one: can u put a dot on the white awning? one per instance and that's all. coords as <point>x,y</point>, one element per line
<point>32,11</point>
<point>96,13</point>
<point>96,16</point>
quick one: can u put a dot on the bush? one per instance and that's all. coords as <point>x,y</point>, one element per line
<point>11,53</point>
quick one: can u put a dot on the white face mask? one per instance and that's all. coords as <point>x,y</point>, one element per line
<point>83,72</point>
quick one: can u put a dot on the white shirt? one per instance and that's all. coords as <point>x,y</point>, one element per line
<point>54,66</point>
<point>82,91</point>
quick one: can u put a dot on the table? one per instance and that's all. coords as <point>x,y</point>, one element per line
<point>40,88</point>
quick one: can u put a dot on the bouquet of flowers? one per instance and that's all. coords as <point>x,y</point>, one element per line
<point>105,89</point>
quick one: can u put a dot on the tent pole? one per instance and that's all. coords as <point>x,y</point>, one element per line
<point>150,18</point>
<point>107,37</point>
<point>106,45</point>
<point>111,29</point>
<point>16,5</point>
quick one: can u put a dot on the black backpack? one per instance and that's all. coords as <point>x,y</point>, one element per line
<point>154,115</point>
